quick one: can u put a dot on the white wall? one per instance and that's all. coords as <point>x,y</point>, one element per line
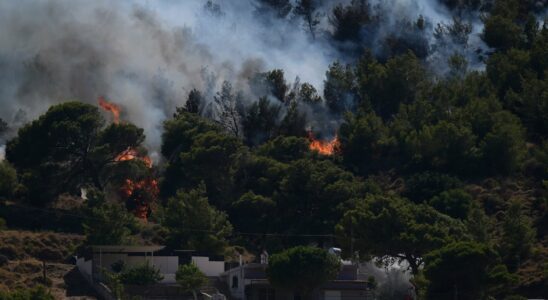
<point>166,264</point>
<point>238,292</point>
<point>209,268</point>
<point>84,266</point>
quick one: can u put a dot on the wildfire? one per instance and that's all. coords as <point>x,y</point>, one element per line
<point>113,108</point>
<point>329,147</point>
<point>131,154</point>
<point>139,195</point>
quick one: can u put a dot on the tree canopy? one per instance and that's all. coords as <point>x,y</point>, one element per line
<point>302,269</point>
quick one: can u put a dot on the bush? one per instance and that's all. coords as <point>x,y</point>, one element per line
<point>141,275</point>
<point>37,293</point>
<point>421,187</point>
<point>190,278</point>
<point>8,180</point>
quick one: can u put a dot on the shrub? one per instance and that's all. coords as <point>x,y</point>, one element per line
<point>141,275</point>
<point>37,293</point>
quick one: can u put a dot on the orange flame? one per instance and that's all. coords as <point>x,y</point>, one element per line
<point>141,193</point>
<point>324,147</point>
<point>113,108</point>
<point>131,154</point>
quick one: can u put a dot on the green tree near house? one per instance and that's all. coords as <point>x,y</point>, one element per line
<point>302,269</point>
<point>190,278</point>
<point>394,228</point>
<point>192,223</point>
<point>107,223</point>
<point>466,271</point>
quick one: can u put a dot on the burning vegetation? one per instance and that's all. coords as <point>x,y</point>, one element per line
<point>138,195</point>
<point>111,107</point>
<point>324,147</point>
<point>131,154</point>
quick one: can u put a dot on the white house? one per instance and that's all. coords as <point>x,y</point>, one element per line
<point>249,282</point>
<point>161,257</point>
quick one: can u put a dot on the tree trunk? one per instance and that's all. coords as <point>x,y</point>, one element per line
<point>195,294</point>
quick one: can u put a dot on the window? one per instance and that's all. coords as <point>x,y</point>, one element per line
<point>234,282</point>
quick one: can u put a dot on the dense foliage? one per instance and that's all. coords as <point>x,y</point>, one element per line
<point>36,293</point>
<point>144,274</point>
<point>190,278</point>
<point>302,269</point>
<point>444,172</point>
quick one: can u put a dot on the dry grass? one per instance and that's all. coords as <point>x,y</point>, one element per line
<point>25,251</point>
<point>53,247</point>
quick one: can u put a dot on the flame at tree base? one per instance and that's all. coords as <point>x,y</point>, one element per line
<point>329,147</point>
<point>138,195</point>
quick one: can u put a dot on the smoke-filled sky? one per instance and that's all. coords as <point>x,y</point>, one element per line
<point>147,55</point>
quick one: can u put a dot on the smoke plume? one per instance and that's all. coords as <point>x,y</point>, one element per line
<point>147,55</point>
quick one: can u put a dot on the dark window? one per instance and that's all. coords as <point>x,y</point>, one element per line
<point>234,282</point>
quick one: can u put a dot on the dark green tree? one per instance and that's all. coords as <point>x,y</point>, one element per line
<point>192,223</point>
<point>8,180</point>
<point>339,88</point>
<point>365,142</point>
<point>261,208</point>
<point>504,146</point>
<point>518,235</point>
<point>190,278</point>
<point>261,121</point>
<point>308,10</point>
<point>454,203</point>
<point>348,21</point>
<point>194,103</point>
<point>392,228</point>
<point>199,151</point>
<point>475,272</point>
<point>294,121</point>
<point>421,187</point>
<point>107,223</point>
<point>285,149</point>
<point>66,148</point>
<point>312,196</point>
<point>302,269</point>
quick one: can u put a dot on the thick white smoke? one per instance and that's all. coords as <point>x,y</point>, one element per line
<point>147,55</point>
<point>144,56</point>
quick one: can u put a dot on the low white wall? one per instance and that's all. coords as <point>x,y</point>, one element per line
<point>84,266</point>
<point>209,268</point>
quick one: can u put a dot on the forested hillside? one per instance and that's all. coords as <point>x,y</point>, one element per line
<point>424,143</point>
